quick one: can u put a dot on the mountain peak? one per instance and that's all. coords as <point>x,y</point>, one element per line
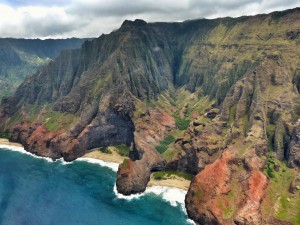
<point>137,22</point>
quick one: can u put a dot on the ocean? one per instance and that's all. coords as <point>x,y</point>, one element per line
<point>37,191</point>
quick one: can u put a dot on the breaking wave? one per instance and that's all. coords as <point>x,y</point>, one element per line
<point>113,166</point>
<point>23,151</point>
<point>174,196</point>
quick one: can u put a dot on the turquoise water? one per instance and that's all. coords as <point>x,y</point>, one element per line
<point>34,191</point>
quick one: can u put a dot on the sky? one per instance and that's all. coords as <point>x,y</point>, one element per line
<point>91,18</point>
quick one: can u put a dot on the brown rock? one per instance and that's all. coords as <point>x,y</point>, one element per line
<point>250,210</point>
<point>201,200</point>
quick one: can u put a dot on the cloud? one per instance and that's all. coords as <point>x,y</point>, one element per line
<point>91,18</point>
<point>36,21</point>
<point>37,2</point>
<point>121,8</point>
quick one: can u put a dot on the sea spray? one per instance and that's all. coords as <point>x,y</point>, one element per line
<point>174,196</point>
<point>113,166</point>
<point>23,151</point>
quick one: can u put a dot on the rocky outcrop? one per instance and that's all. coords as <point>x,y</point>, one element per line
<point>202,198</point>
<point>254,120</point>
<point>134,174</point>
<point>295,185</point>
<point>103,127</point>
<point>294,150</point>
<point>223,193</point>
<point>250,208</point>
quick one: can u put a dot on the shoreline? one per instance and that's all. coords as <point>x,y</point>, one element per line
<point>4,141</point>
<point>115,158</point>
<point>171,190</point>
<point>174,182</point>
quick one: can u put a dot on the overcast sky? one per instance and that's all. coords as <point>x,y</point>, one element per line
<point>91,18</point>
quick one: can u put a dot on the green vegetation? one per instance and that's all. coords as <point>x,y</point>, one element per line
<point>227,210</point>
<point>14,119</point>
<point>232,115</point>
<point>55,120</point>
<point>123,150</point>
<point>105,150</point>
<point>5,135</point>
<point>198,193</point>
<point>270,167</point>
<point>163,145</point>
<point>22,57</point>
<point>286,205</point>
<point>125,163</point>
<point>181,123</point>
<point>163,175</point>
<point>270,135</point>
<point>170,153</point>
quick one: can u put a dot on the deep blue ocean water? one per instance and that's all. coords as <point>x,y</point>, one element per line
<point>34,191</point>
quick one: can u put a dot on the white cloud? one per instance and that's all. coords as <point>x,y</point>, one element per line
<point>91,18</point>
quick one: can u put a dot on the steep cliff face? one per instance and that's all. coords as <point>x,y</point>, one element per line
<point>218,99</point>
<point>257,125</point>
<point>22,57</point>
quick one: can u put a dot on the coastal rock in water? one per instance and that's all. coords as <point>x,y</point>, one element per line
<point>133,177</point>
<point>134,174</point>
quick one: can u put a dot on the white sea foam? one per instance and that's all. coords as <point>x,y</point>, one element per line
<point>129,197</point>
<point>23,151</point>
<point>191,222</point>
<point>63,162</point>
<point>111,165</point>
<point>174,196</point>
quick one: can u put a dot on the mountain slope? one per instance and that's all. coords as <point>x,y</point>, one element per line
<point>224,91</point>
<point>22,57</point>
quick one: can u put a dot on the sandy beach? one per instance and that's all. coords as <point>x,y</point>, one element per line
<point>4,141</point>
<point>113,157</point>
<point>174,181</point>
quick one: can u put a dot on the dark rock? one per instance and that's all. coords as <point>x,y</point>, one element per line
<point>295,186</point>
<point>293,34</point>
<point>294,148</point>
<point>212,113</point>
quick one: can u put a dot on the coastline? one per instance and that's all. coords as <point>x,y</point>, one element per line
<point>115,158</point>
<point>4,141</point>
<point>106,157</point>
<point>174,182</point>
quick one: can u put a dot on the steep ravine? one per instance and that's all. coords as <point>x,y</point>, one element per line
<point>22,57</point>
<point>218,99</point>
